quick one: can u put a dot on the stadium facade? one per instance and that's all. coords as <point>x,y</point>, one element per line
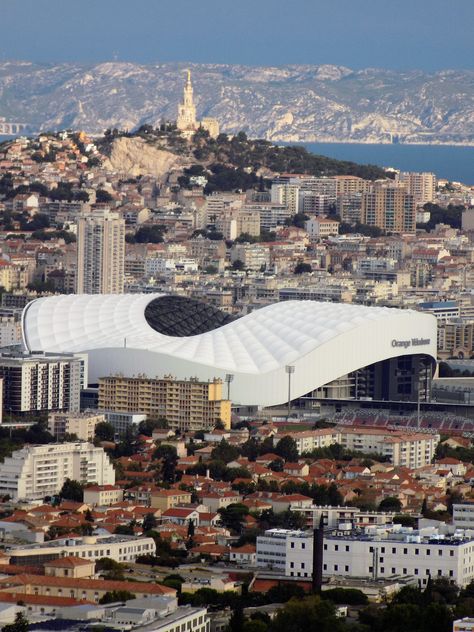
<point>358,351</point>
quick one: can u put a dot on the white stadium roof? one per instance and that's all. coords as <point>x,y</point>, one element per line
<point>323,341</point>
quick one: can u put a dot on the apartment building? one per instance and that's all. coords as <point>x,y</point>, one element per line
<point>410,450</point>
<point>456,338</point>
<point>36,471</point>
<point>35,382</point>
<point>80,424</point>
<point>375,552</point>
<point>403,449</point>
<point>389,207</point>
<point>100,253</point>
<point>103,495</point>
<point>320,227</point>
<point>165,499</point>
<point>187,404</point>
<point>79,589</point>
<point>422,186</point>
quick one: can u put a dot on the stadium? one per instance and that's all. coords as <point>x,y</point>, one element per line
<point>352,350</point>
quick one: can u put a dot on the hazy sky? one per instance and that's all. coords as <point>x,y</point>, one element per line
<point>426,34</point>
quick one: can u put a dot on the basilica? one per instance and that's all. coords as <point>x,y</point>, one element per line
<point>186,121</point>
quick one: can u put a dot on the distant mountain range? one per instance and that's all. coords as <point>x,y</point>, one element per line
<point>289,103</point>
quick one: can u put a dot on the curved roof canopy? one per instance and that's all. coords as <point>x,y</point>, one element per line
<point>155,334</point>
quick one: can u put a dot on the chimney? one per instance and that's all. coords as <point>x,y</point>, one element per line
<point>318,548</point>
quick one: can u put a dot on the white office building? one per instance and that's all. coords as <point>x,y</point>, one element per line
<point>375,552</point>
<point>120,548</point>
<point>37,471</point>
<point>463,515</point>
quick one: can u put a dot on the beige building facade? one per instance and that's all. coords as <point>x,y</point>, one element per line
<point>187,405</point>
<point>100,253</point>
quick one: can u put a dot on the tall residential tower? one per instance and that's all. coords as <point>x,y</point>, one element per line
<point>100,253</point>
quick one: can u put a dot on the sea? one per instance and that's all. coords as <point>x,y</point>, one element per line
<point>453,162</point>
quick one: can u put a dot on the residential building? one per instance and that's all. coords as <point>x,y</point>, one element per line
<point>389,207</point>
<point>35,382</point>
<point>410,450</point>
<point>165,499</point>
<point>422,186</point>
<point>103,495</point>
<point>80,589</point>
<point>70,566</point>
<point>245,555</point>
<point>100,253</point>
<point>186,404</point>
<point>320,227</point>
<point>80,424</point>
<point>36,471</point>
<point>124,422</point>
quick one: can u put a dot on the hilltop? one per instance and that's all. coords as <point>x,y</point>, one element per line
<point>236,162</point>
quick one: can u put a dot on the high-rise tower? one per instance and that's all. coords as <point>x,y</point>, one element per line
<point>187,110</point>
<point>100,253</point>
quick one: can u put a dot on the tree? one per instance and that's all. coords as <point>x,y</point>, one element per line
<point>169,459</point>
<point>149,522</point>
<point>225,452</point>
<point>238,264</point>
<point>105,431</point>
<point>102,196</point>
<point>112,569</point>
<point>233,516</point>
<point>72,490</point>
<point>236,622</point>
<point>301,267</point>
<point>286,448</point>
<point>116,596</point>
<point>190,529</point>
<point>310,613</point>
<point>19,625</point>
<point>391,503</point>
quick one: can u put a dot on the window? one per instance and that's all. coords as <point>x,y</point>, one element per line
<point>292,565</point>
<point>347,547</point>
<point>336,567</point>
<point>336,547</point>
<point>325,567</point>
<point>405,571</point>
<point>416,571</point>
<point>325,547</point>
<point>405,551</point>
<point>346,568</point>
<point>382,550</point>
<point>417,551</point>
<point>394,550</point>
<point>451,553</point>
<point>382,569</point>
<point>427,572</point>
<point>440,552</point>
<point>394,571</point>
<point>292,545</point>
<point>371,549</point>
<point>303,545</point>
<point>428,552</point>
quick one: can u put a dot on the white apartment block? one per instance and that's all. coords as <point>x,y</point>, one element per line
<point>80,424</point>
<point>377,552</point>
<point>103,495</point>
<point>410,450</point>
<point>42,381</point>
<point>320,227</point>
<point>334,516</point>
<point>287,195</point>
<point>100,253</point>
<point>120,548</point>
<point>123,422</point>
<point>37,471</point>
<point>309,440</point>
